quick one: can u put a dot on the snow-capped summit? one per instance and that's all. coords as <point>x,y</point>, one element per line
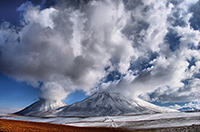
<point>42,108</point>
<point>110,103</point>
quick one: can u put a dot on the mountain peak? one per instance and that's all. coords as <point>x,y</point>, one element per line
<point>105,94</point>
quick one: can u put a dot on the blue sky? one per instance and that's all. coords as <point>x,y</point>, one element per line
<point>61,50</point>
<point>15,95</point>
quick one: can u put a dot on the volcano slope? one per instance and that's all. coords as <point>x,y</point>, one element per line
<point>110,104</point>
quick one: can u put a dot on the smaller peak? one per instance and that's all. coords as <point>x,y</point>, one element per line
<point>42,107</point>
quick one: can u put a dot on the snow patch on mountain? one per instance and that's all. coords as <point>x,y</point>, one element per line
<point>153,107</point>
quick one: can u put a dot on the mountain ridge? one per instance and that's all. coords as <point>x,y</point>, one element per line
<point>98,104</point>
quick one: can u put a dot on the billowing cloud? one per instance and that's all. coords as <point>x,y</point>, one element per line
<point>183,62</point>
<point>66,49</point>
<point>133,47</point>
<point>167,68</point>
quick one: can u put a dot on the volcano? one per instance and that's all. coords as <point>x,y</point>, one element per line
<point>42,108</point>
<point>110,103</point>
<point>98,104</point>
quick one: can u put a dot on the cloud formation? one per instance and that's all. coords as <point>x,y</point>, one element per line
<point>132,46</point>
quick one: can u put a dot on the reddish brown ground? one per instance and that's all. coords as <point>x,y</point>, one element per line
<point>26,126</point>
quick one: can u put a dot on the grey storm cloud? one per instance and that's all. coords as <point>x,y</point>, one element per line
<point>77,44</point>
